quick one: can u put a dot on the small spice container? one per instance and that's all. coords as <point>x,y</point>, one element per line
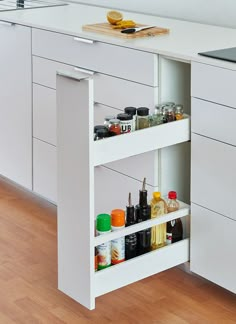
<point>179,112</point>
<point>156,118</point>
<point>170,114</point>
<point>102,133</point>
<point>131,111</point>
<point>142,117</point>
<point>107,119</point>
<point>114,127</point>
<point>96,128</point>
<point>126,123</point>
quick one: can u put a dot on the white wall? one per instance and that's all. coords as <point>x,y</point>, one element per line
<point>215,12</point>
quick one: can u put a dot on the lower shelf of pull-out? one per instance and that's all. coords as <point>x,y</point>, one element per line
<point>141,267</point>
<point>141,141</point>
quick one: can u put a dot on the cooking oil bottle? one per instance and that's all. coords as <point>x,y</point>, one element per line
<point>158,233</point>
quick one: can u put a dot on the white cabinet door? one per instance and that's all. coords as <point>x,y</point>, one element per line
<point>213,243</point>
<point>15,107</point>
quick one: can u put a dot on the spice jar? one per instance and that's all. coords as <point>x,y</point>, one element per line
<point>114,127</point>
<point>126,123</point>
<point>131,111</point>
<point>170,114</point>
<point>102,133</point>
<point>96,128</point>
<point>107,119</point>
<point>156,118</point>
<point>142,117</point>
<point>179,112</point>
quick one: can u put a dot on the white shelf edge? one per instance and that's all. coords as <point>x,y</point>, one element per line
<point>141,141</point>
<point>182,212</point>
<point>141,267</point>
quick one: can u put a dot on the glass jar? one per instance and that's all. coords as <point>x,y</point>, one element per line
<point>156,118</point>
<point>170,114</point>
<point>179,112</point>
<point>164,111</point>
<point>131,111</point>
<point>107,119</point>
<point>114,127</point>
<point>96,128</point>
<point>142,118</point>
<point>126,123</point>
<point>102,133</point>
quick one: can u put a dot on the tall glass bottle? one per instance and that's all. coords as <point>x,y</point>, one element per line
<point>131,239</point>
<point>174,227</point>
<point>158,233</point>
<point>142,213</point>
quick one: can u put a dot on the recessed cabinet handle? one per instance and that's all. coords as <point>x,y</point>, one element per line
<point>83,40</point>
<point>6,23</point>
<point>84,71</point>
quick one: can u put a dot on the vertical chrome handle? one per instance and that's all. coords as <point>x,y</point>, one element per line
<point>83,40</point>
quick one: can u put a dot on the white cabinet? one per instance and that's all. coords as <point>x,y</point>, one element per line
<point>16,105</point>
<point>213,220</point>
<point>213,243</point>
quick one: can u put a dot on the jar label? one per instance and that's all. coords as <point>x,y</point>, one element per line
<point>126,127</point>
<point>118,250</point>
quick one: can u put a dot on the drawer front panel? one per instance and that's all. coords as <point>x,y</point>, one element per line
<point>45,170</point>
<point>109,59</point>
<point>44,114</point>
<point>213,243</point>
<point>214,84</point>
<point>213,175</point>
<point>111,91</point>
<point>213,120</point>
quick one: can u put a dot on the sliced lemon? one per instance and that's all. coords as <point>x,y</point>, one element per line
<point>114,16</point>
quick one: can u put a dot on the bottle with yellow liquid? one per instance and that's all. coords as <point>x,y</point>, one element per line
<point>158,233</point>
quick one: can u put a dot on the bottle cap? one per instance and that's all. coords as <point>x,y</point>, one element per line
<point>130,111</point>
<point>124,117</point>
<point>117,217</point>
<point>103,223</point>
<point>97,127</point>
<point>142,111</point>
<point>114,121</point>
<point>156,195</point>
<point>103,132</point>
<point>172,195</point>
<point>107,118</point>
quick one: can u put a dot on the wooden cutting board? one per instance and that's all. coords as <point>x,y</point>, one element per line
<point>106,28</point>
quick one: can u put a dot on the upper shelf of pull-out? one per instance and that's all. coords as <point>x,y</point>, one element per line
<point>141,141</point>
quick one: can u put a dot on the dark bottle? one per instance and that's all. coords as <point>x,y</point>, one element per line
<point>143,213</point>
<point>174,230</point>
<point>130,240</point>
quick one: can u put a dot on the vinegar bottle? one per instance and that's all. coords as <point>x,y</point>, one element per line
<point>158,233</point>
<point>131,239</point>
<point>174,227</point>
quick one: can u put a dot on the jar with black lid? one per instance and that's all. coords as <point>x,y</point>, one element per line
<point>142,117</point>
<point>131,111</point>
<point>102,133</point>
<point>96,128</point>
<point>126,123</point>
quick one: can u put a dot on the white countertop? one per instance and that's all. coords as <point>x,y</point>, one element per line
<point>185,40</point>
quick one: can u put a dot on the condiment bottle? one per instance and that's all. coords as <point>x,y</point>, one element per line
<point>117,245</point>
<point>131,239</point>
<point>126,123</point>
<point>114,127</point>
<point>132,111</point>
<point>142,117</point>
<point>102,133</point>
<point>174,227</point>
<point>179,112</point>
<point>107,119</point>
<point>103,226</point>
<point>158,233</point>
<point>142,213</point>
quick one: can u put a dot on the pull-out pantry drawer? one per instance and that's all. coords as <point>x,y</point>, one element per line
<point>108,90</point>
<point>213,120</point>
<point>130,64</point>
<point>213,243</point>
<point>214,84</point>
<point>213,175</point>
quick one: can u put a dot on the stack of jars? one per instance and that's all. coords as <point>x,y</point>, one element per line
<point>137,118</point>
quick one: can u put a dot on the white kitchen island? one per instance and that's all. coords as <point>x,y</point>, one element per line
<point>125,72</point>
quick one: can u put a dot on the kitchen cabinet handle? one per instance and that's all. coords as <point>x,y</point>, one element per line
<point>6,23</point>
<point>84,71</point>
<point>83,40</point>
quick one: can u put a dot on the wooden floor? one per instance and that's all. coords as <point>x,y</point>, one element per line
<point>28,279</point>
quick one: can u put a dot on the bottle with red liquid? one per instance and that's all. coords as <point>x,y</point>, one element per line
<point>174,230</point>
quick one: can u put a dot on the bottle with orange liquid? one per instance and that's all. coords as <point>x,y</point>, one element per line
<point>117,245</point>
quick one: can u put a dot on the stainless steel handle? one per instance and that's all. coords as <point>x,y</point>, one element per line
<point>6,23</point>
<point>83,40</point>
<point>84,71</point>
